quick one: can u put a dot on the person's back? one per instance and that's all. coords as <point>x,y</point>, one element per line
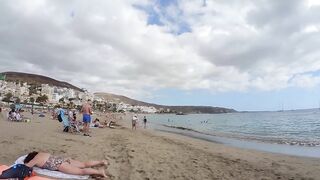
<point>86,114</point>
<point>86,109</point>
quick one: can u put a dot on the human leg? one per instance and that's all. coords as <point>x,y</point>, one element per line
<point>86,121</point>
<point>87,164</point>
<point>69,169</point>
<point>85,128</point>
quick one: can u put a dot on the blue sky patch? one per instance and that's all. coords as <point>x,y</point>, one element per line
<point>158,15</point>
<point>287,99</point>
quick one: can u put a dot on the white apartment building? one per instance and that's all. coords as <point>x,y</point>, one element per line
<point>48,91</point>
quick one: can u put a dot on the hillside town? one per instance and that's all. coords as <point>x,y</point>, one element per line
<point>50,96</point>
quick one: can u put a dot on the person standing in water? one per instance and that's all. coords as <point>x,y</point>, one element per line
<point>145,121</point>
<point>86,113</point>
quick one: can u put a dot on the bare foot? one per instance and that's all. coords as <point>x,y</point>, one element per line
<point>102,173</point>
<point>104,163</point>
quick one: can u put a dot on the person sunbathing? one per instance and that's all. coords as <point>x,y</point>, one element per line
<point>65,165</point>
<point>109,124</point>
<point>97,123</point>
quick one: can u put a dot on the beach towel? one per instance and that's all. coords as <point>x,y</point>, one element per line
<point>53,174</point>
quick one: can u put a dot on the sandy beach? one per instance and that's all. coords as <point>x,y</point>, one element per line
<point>147,154</point>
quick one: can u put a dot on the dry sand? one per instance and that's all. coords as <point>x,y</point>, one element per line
<point>145,154</point>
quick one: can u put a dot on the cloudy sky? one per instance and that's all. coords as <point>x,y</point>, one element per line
<point>246,55</point>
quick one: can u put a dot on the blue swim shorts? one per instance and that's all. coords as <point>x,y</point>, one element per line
<point>86,118</point>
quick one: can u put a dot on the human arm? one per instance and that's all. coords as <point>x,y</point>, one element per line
<point>90,110</point>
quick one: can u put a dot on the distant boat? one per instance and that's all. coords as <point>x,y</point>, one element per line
<point>180,113</point>
<point>282,109</point>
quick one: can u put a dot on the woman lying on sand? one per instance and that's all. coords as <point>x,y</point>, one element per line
<point>69,166</point>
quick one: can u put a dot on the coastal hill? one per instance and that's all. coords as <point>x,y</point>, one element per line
<point>184,109</point>
<point>37,80</point>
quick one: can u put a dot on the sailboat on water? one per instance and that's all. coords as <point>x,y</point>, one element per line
<point>282,110</point>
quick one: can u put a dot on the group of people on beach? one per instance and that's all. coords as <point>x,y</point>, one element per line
<point>68,165</point>
<point>135,120</point>
<point>71,124</point>
<point>15,114</point>
<point>70,121</point>
<point>58,163</point>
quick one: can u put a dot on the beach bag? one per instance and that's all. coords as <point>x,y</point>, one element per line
<point>19,171</point>
<point>59,118</point>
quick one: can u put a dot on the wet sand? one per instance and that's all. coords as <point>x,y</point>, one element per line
<point>146,154</point>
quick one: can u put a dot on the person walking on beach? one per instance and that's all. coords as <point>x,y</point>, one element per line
<point>145,121</point>
<point>134,121</point>
<point>86,113</point>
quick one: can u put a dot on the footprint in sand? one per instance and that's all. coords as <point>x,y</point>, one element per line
<point>6,142</point>
<point>72,140</point>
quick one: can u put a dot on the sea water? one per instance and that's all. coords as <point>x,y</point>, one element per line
<point>290,132</point>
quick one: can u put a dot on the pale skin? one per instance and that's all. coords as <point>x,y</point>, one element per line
<point>72,166</point>
<point>86,109</point>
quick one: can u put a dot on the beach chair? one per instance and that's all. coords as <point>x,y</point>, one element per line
<point>66,124</point>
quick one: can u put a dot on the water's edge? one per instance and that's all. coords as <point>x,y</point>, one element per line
<point>294,150</point>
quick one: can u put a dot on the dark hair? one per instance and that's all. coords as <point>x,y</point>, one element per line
<point>30,156</point>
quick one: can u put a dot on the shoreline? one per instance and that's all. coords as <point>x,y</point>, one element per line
<point>281,149</point>
<point>149,154</point>
<point>241,142</point>
<point>245,138</point>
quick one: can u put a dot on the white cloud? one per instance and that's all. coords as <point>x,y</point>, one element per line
<point>109,45</point>
<point>305,81</point>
